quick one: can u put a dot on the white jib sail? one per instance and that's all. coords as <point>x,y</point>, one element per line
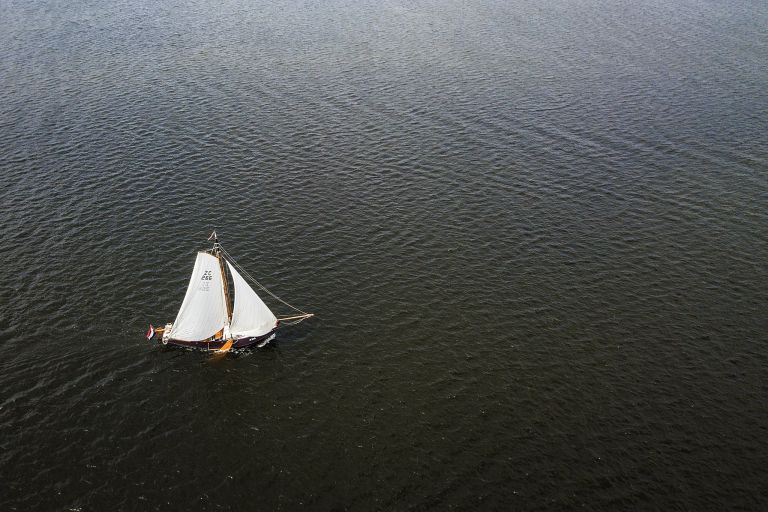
<point>204,310</point>
<point>250,316</point>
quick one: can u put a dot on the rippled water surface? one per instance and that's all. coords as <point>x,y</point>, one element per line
<point>533,233</point>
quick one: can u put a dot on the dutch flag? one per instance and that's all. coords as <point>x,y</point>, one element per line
<point>150,332</point>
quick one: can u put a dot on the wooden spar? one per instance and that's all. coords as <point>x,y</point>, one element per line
<point>228,344</point>
<point>307,315</point>
<point>226,285</point>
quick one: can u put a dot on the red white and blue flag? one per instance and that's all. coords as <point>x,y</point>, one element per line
<point>150,332</point>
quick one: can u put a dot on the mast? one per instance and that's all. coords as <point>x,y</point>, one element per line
<point>216,251</point>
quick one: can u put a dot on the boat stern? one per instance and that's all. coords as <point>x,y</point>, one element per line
<point>167,333</point>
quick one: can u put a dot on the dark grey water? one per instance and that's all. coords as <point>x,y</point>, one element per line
<point>533,234</point>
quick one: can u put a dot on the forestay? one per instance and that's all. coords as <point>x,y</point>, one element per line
<point>203,312</point>
<point>250,316</point>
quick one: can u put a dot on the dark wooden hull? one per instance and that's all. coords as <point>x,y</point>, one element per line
<point>213,345</point>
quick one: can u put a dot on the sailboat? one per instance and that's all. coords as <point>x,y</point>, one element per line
<point>209,320</point>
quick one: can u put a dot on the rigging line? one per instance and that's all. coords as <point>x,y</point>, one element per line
<point>295,322</point>
<point>245,272</point>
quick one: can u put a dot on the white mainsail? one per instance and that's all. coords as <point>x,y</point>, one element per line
<point>204,310</point>
<point>250,316</point>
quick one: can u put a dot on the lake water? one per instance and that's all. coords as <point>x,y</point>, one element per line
<point>533,234</point>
